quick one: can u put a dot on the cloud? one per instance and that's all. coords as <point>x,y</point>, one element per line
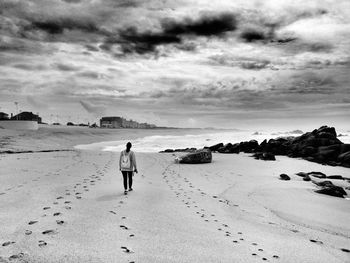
<point>37,103</point>
<point>66,67</point>
<point>92,108</point>
<point>132,40</point>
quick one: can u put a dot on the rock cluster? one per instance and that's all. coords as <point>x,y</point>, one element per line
<point>321,146</point>
<point>325,187</point>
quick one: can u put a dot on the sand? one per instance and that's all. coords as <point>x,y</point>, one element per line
<point>69,207</point>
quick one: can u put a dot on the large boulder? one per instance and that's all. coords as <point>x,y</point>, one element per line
<point>344,159</point>
<point>248,147</point>
<point>332,190</point>
<point>199,156</point>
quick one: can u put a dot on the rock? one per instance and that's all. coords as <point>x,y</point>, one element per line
<point>229,148</point>
<point>317,174</point>
<point>344,158</point>
<point>264,156</point>
<point>216,147</point>
<point>301,174</point>
<point>307,178</point>
<point>168,151</point>
<point>199,156</point>
<point>284,177</point>
<point>337,177</point>
<point>333,190</point>
<point>248,147</point>
<point>324,183</point>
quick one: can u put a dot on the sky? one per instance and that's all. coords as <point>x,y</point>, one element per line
<point>183,63</point>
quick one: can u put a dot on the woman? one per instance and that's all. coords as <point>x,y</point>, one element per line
<point>127,165</point>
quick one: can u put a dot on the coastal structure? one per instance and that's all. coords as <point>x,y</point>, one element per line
<point>23,121</point>
<point>26,116</point>
<point>4,116</point>
<point>119,122</point>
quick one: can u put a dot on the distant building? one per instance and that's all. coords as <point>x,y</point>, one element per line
<point>4,116</point>
<point>119,122</point>
<point>27,116</point>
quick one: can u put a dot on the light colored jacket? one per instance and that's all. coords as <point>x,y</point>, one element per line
<point>132,161</point>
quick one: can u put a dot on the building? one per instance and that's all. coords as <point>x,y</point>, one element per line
<point>4,116</point>
<point>119,122</point>
<point>26,116</point>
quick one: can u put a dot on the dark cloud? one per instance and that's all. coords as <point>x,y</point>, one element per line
<point>131,40</point>
<point>253,35</point>
<point>66,67</point>
<point>72,1</point>
<point>58,25</point>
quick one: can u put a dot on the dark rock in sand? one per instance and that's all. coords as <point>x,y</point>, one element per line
<point>317,174</point>
<point>284,177</point>
<point>344,158</point>
<point>324,183</point>
<point>307,178</point>
<point>168,151</point>
<point>301,174</point>
<point>200,156</point>
<point>216,147</point>
<point>264,156</point>
<point>336,177</point>
<point>333,190</point>
<point>248,147</point>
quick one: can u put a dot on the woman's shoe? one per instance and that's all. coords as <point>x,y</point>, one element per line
<point>125,192</point>
<point>130,189</point>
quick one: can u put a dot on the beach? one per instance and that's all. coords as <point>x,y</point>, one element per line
<point>69,206</point>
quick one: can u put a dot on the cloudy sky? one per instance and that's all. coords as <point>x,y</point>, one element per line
<point>186,63</point>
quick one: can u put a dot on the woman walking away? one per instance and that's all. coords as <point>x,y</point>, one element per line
<point>127,165</point>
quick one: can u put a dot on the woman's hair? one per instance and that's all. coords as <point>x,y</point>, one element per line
<point>128,146</point>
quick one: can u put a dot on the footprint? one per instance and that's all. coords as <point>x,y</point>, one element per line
<point>32,222</point>
<point>17,256</point>
<point>67,202</point>
<point>113,212</point>
<point>127,250</point>
<point>60,197</point>
<point>49,232</point>
<point>124,227</point>
<point>132,235</point>
<point>57,214</point>
<point>28,232</point>
<point>8,243</point>
<point>316,241</point>
<point>47,207</point>
<point>275,256</point>
<point>2,193</point>
<point>67,207</point>
<point>345,250</point>
<point>42,243</point>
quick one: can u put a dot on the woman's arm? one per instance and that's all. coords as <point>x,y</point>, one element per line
<point>120,161</point>
<point>134,161</point>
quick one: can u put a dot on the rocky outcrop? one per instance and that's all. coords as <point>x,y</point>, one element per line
<point>199,156</point>
<point>332,190</point>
